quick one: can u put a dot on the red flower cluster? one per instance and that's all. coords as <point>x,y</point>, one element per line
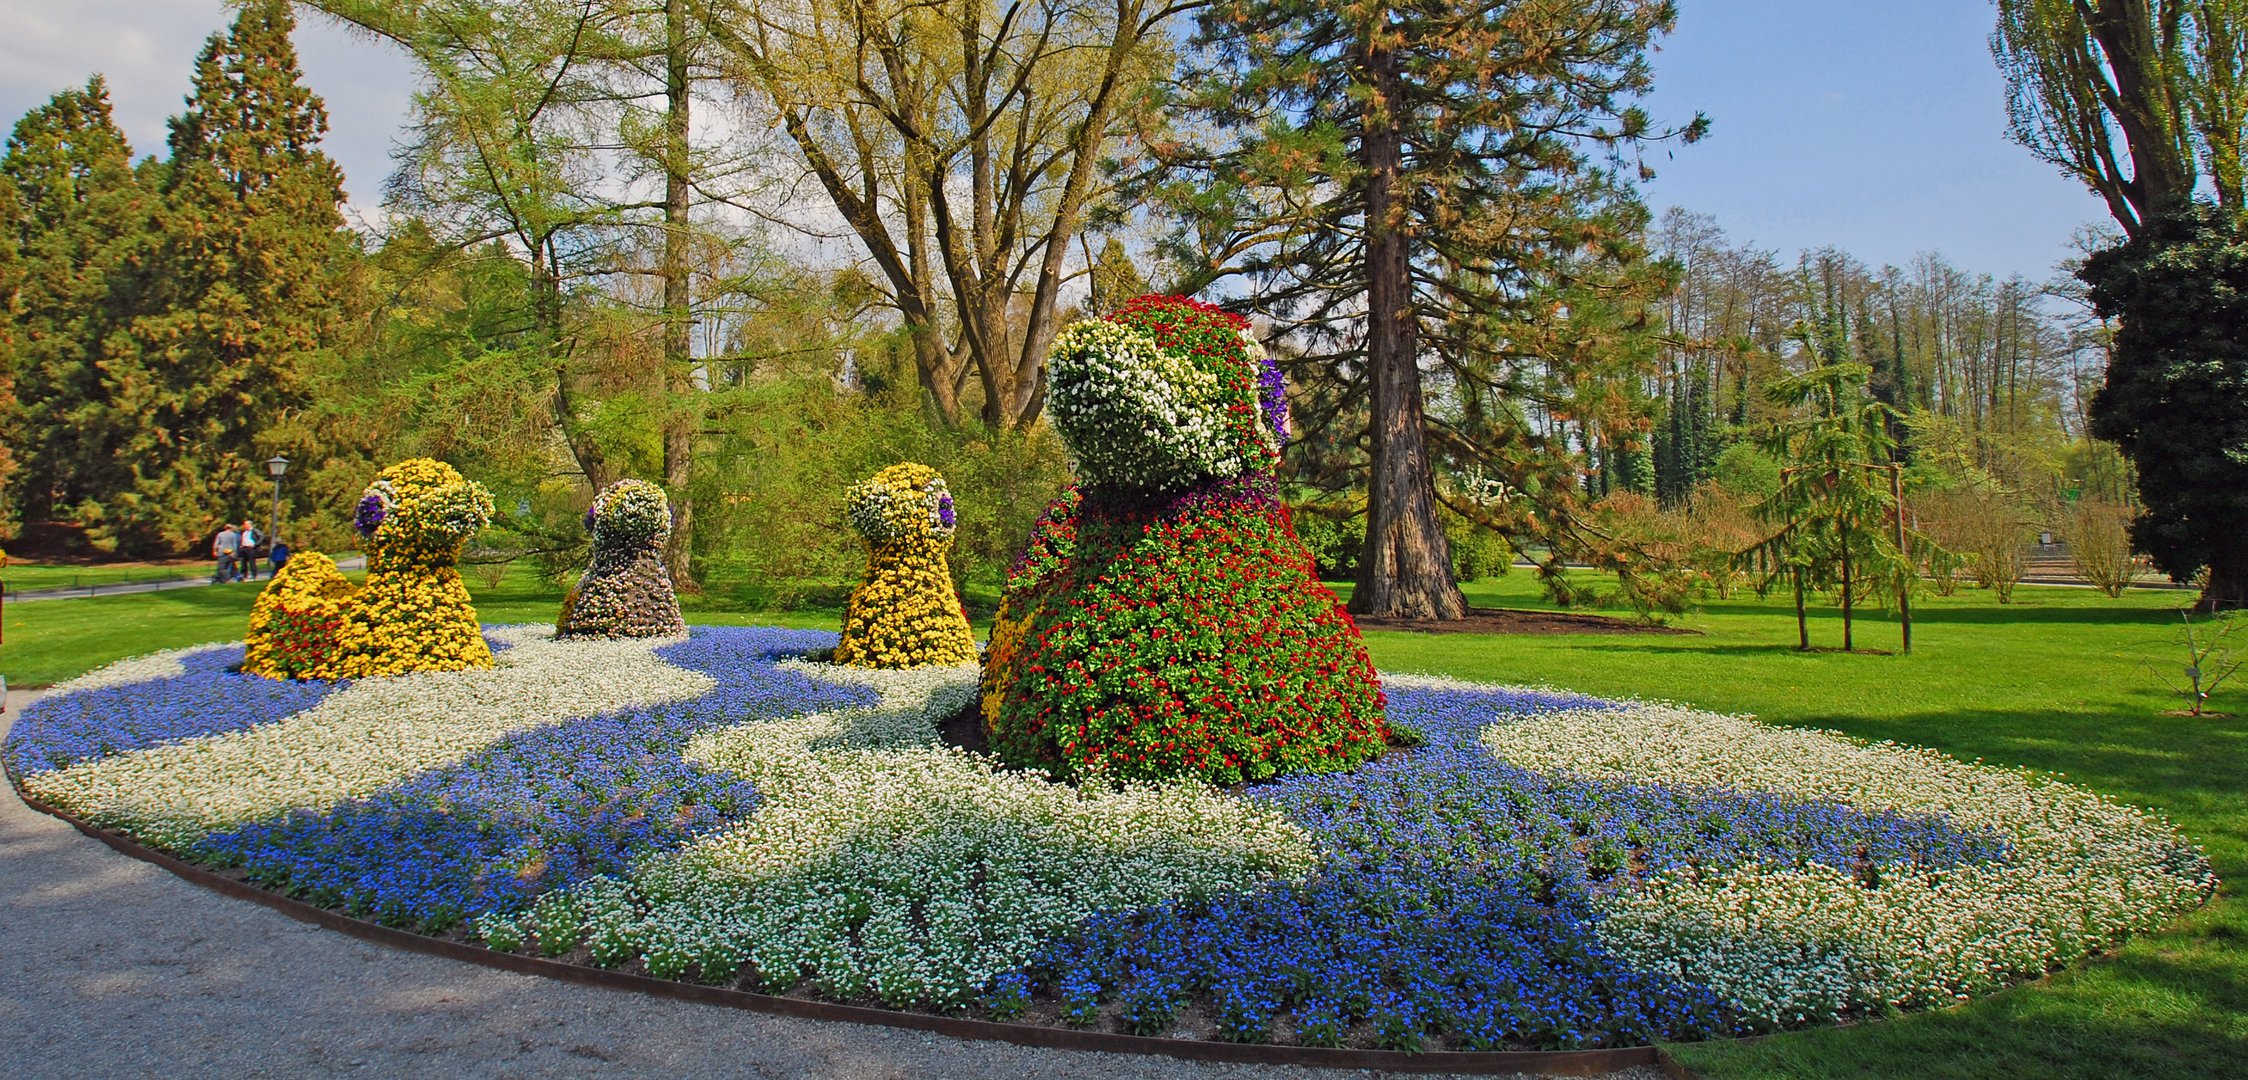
<point>301,640</point>
<point>1188,638</point>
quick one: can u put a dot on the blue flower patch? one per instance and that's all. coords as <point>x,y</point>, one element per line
<point>1454,902</point>
<point>542,808</point>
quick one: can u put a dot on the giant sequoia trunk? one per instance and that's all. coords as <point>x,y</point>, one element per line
<point>1406,568</point>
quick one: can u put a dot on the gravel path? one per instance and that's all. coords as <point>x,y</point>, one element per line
<point>111,967</point>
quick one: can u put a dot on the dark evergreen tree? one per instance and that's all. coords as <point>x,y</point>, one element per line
<point>245,286</point>
<point>80,220</point>
<point>2176,397</point>
<point>1116,281</point>
<point>1684,445</point>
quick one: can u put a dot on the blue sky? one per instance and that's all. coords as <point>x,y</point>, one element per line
<point>1874,125</point>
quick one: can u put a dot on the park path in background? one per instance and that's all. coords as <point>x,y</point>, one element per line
<point>119,588</point>
<point>112,967</point>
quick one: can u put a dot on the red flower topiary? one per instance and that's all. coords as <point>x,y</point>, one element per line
<point>1173,626</point>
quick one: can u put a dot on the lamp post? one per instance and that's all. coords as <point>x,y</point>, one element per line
<point>275,466</point>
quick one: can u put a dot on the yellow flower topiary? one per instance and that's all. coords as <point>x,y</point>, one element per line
<point>905,614</point>
<point>413,614</point>
<point>293,624</point>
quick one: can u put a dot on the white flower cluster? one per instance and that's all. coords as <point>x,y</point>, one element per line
<point>887,865</point>
<point>1485,491</point>
<point>881,512</point>
<point>372,734</point>
<point>147,668</point>
<point>629,515</point>
<point>459,511</point>
<point>1135,415</point>
<point>1792,945</point>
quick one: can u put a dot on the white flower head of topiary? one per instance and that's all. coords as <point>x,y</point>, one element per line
<point>1136,415</point>
<point>902,502</point>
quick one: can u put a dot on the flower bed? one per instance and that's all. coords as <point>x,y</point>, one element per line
<point>1540,871</point>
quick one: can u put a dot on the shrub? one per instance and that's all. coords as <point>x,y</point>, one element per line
<point>1991,529</point>
<point>1477,552</point>
<point>1746,471</point>
<point>1333,537</point>
<point>2099,543</point>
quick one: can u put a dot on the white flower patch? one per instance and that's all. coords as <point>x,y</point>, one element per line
<point>885,864</point>
<point>1135,415</point>
<point>363,738</point>
<point>168,664</point>
<point>1788,946</point>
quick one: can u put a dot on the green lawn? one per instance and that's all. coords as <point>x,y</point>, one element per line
<point>25,577</point>
<point>2054,682</point>
<point>52,640</point>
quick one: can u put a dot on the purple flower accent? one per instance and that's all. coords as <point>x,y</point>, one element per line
<point>945,516</point>
<point>370,515</point>
<point>1275,396</point>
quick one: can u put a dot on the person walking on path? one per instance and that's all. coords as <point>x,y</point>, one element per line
<point>278,557</point>
<point>249,554</point>
<point>226,548</point>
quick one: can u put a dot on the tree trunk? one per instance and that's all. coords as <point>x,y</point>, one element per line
<point>1848,586</point>
<point>1907,576</point>
<point>681,417</point>
<point>2162,167</point>
<point>1405,570</point>
<point>2227,587</point>
<point>546,301</point>
<point>1802,620</point>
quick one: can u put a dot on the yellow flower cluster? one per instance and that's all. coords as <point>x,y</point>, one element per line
<point>413,614</point>
<point>401,622</point>
<point>293,624</point>
<point>904,614</point>
<point>1008,630</point>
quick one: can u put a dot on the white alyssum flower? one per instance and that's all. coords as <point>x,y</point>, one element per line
<point>167,664</point>
<point>1135,415</point>
<point>886,864</point>
<point>372,734</point>
<point>1787,945</point>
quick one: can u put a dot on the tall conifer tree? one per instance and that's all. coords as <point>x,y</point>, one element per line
<point>245,286</point>
<point>79,220</point>
<point>1406,184</point>
<point>11,415</point>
